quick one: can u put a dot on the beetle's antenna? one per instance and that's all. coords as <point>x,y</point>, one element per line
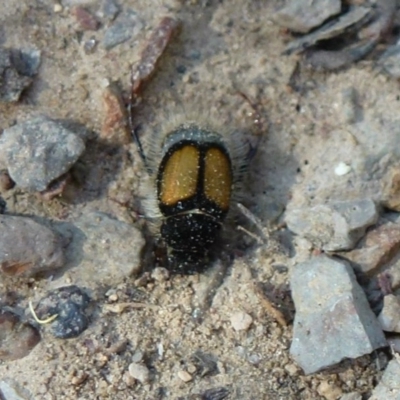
<point>134,131</point>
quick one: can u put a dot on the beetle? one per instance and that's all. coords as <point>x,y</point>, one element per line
<point>195,173</point>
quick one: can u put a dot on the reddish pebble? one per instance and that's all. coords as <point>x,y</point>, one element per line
<point>86,20</point>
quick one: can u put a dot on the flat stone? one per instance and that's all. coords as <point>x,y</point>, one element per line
<point>389,317</point>
<point>38,151</point>
<point>303,15</point>
<point>102,250</point>
<point>335,226</point>
<point>378,247</point>
<point>125,27</point>
<point>388,387</point>
<point>27,248</point>
<point>333,319</point>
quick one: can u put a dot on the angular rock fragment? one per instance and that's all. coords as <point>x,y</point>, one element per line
<point>391,188</point>
<point>27,247</point>
<point>335,226</point>
<point>38,151</point>
<point>378,247</point>
<point>389,317</point>
<point>126,26</point>
<point>17,339</point>
<point>333,319</point>
<point>17,68</point>
<point>303,15</point>
<point>114,128</point>
<point>388,387</point>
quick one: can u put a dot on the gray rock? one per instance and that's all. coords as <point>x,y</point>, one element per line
<point>390,61</point>
<point>38,151</point>
<point>126,26</point>
<point>389,387</point>
<point>333,319</point>
<point>26,61</point>
<point>355,17</point>
<point>109,10</point>
<point>139,372</point>
<point>389,317</point>
<point>335,226</point>
<point>27,247</point>
<point>17,67</point>
<point>303,15</point>
<point>103,249</point>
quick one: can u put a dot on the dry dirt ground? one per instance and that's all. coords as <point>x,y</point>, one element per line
<point>223,47</point>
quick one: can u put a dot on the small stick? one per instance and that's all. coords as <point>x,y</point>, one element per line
<point>41,321</point>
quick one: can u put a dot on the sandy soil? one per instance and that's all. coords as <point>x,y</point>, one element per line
<point>223,47</point>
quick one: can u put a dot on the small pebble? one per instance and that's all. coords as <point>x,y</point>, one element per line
<point>184,376</point>
<point>6,183</point>
<point>17,339</point>
<point>140,372</point>
<point>137,356</point>
<point>380,245</point>
<point>342,169</point>
<point>109,10</point>
<point>114,128</point>
<point>28,248</point>
<point>329,391</point>
<point>218,393</point>
<point>89,46</point>
<point>391,188</point>
<point>17,68</point>
<point>85,19</point>
<point>70,303</point>
<point>389,317</point>
<point>57,8</point>
<point>39,151</point>
<point>160,274</point>
<point>241,321</point>
<point>125,27</point>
